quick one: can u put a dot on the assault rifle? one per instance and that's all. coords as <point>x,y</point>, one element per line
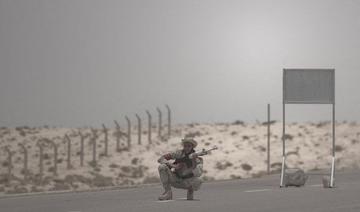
<point>202,152</point>
<point>180,163</point>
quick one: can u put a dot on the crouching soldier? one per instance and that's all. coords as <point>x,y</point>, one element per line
<point>183,173</point>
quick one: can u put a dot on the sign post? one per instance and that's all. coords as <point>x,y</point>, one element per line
<point>309,86</point>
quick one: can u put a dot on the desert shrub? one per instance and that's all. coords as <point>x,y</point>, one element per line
<point>292,153</point>
<point>133,172</point>
<point>266,123</point>
<point>246,167</point>
<point>102,181</point>
<point>5,164</point>
<point>288,137</point>
<point>125,168</point>
<point>71,179</point>
<point>233,176</point>
<point>339,148</point>
<point>238,122</point>
<point>92,163</point>
<point>354,141</point>
<point>223,165</point>
<point>245,137</point>
<point>274,165</point>
<point>114,166</point>
<point>22,133</point>
<point>207,178</point>
<point>12,139</point>
<point>46,156</point>
<point>193,134</point>
<point>4,179</point>
<point>36,189</point>
<point>60,187</point>
<point>134,161</point>
<point>321,124</point>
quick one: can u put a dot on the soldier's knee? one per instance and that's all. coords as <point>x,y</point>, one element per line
<point>162,167</point>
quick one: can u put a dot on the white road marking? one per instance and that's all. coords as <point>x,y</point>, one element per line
<point>163,201</point>
<point>258,190</point>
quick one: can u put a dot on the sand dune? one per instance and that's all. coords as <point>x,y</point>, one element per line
<point>242,154</point>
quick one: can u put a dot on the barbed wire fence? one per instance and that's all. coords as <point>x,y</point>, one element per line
<point>70,138</point>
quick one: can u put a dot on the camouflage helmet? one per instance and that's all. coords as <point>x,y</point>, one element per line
<point>189,140</point>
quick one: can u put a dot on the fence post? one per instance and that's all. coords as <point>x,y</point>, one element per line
<point>106,140</point>
<point>41,164</point>
<point>169,120</point>
<point>9,174</point>
<point>160,122</point>
<point>94,146</point>
<point>81,149</point>
<point>129,132</point>
<point>118,133</point>
<point>55,157</point>
<point>25,169</point>
<point>149,126</point>
<point>268,139</point>
<point>68,151</point>
<point>139,128</point>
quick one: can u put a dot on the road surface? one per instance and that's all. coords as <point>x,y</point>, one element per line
<point>262,194</point>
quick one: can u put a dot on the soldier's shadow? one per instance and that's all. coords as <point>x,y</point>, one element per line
<point>184,199</point>
<point>179,199</point>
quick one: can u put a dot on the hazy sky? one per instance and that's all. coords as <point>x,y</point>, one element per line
<point>87,62</point>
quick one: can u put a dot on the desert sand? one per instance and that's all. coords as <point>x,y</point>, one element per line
<point>242,153</point>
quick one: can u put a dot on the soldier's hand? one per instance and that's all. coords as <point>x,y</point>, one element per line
<point>178,166</point>
<point>169,164</point>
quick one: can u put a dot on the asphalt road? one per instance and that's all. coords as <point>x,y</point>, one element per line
<point>262,194</point>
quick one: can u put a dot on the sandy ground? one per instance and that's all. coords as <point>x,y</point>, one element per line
<point>242,153</point>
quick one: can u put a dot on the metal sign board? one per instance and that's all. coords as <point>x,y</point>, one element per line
<point>309,86</point>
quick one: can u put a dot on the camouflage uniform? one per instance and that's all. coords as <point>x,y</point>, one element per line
<point>184,178</point>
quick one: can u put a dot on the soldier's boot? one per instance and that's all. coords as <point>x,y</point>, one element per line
<point>167,195</point>
<point>190,194</point>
